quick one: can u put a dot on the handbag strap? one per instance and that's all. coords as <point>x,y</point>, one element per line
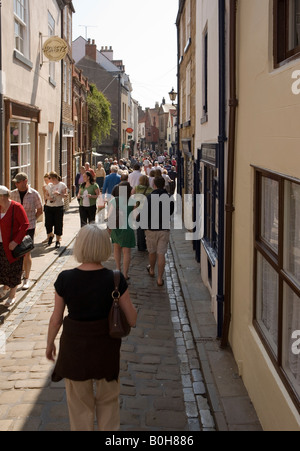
<point>116,294</point>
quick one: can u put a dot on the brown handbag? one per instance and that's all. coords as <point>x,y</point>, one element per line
<point>118,325</point>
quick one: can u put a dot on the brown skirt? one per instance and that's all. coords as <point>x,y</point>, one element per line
<point>10,273</point>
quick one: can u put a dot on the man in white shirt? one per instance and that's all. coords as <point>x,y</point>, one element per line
<point>134,177</point>
<point>32,203</point>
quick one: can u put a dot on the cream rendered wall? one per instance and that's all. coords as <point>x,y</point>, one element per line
<point>268,135</point>
<point>31,86</point>
<point>207,19</point>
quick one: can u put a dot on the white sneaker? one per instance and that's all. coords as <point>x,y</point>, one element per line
<point>10,302</point>
<point>3,292</point>
<point>25,284</point>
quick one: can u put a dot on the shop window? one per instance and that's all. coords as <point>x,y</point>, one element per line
<point>277,273</point>
<point>20,148</point>
<point>209,182</point>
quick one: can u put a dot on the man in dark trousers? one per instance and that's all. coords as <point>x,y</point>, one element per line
<point>160,209</point>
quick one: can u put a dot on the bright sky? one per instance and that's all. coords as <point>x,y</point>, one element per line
<point>142,33</point>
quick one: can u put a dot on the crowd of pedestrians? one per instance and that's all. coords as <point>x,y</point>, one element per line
<point>142,176</point>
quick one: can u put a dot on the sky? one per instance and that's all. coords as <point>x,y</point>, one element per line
<point>142,33</point>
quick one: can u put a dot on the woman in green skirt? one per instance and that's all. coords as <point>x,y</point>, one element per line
<point>122,235</point>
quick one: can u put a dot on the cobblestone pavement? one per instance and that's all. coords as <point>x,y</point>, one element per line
<point>162,388</point>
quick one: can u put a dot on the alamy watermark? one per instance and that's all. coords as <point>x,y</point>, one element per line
<point>296,84</point>
<point>296,344</point>
<point>2,82</point>
<point>166,212</point>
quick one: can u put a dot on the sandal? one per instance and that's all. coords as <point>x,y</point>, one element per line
<point>10,302</point>
<point>161,284</point>
<point>149,269</point>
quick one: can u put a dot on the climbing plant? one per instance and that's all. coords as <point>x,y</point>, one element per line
<point>100,120</point>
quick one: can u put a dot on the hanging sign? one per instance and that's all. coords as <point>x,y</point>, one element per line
<point>55,48</point>
<point>129,130</point>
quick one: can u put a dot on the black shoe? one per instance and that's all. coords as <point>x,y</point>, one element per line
<point>57,245</point>
<point>50,240</point>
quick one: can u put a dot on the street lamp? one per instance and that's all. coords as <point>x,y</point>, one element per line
<point>173,95</point>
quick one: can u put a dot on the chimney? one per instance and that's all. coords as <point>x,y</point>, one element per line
<point>108,52</point>
<point>91,50</point>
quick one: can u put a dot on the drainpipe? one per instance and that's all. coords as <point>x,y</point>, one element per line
<point>233,103</point>
<point>1,102</point>
<point>178,153</point>
<point>222,139</point>
<point>61,97</point>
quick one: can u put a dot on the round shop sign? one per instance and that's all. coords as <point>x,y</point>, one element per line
<point>55,48</point>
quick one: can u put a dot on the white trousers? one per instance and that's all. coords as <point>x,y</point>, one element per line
<point>90,397</point>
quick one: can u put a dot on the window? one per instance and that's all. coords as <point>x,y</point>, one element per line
<point>49,165</point>
<point>70,86</point>
<point>20,148</point>
<point>188,93</point>
<point>210,205</point>
<point>21,26</point>
<point>65,83</point>
<point>286,30</point>
<point>209,188</point>
<point>277,272</point>
<point>188,20</point>
<point>51,32</point>
<point>64,160</point>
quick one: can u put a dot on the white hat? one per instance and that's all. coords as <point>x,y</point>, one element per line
<point>3,190</point>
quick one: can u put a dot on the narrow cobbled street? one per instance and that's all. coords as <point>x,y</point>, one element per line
<point>162,387</point>
<point>174,377</point>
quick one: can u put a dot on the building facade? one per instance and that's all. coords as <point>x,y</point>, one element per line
<point>164,122</point>
<point>32,119</point>
<point>245,164</point>
<point>186,25</point>
<point>110,78</point>
<point>81,142</point>
<point>265,296</point>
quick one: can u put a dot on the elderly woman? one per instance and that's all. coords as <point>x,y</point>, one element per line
<point>87,354</point>
<point>13,227</point>
<point>100,175</point>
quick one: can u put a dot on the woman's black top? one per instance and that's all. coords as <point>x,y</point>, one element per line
<point>88,294</point>
<point>86,350</point>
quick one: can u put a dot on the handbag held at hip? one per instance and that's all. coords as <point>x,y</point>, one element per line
<point>24,247</point>
<point>118,325</point>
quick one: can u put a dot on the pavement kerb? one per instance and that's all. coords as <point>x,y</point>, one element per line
<point>214,398</point>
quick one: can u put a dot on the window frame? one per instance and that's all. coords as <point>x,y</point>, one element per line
<point>282,55</point>
<point>51,32</point>
<point>23,24</point>
<point>276,260</point>
<point>23,147</point>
